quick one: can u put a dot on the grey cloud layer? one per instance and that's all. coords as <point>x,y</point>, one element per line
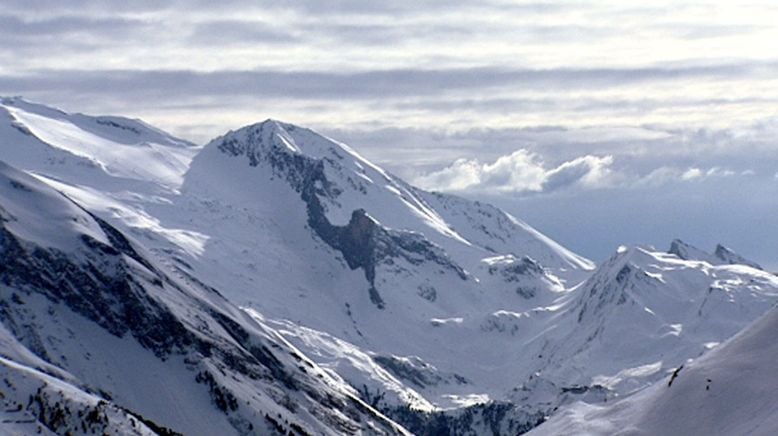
<point>227,32</point>
<point>65,31</point>
<point>363,85</point>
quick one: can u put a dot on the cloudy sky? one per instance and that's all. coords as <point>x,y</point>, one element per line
<point>600,122</point>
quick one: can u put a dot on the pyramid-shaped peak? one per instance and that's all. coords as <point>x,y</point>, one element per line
<point>721,255</point>
<point>626,260</point>
<point>628,253</point>
<point>275,139</point>
<point>686,251</point>
<point>728,256</point>
<point>271,124</point>
<point>679,248</point>
<point>258,141</point>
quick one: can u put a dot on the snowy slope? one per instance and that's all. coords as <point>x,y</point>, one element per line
<point>355,183</point>
<point>500,232</point>
<point>93,326</point>
<point>115,166</point>
<point>730,391</point>
<point>37,403</point>
<point>82,148</point>
<point>644,312</point>
<point>448,314</point>
<point>368,257</point>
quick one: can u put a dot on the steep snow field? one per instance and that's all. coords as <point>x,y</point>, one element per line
<point>96,336</point>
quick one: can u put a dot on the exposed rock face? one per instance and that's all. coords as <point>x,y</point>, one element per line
<point>417,371</point>
<point>105,291</point>
<point>523,273</point>
<point>680,249</point>
<point>493,419</point>
<point>365,244</point>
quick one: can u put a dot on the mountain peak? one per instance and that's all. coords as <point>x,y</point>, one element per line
<point>4,99</point>
<point>263,140</point>
<point>272,126</point>
<point>13,99</point>
<point>25,105</point>
<point>728,256</point>
<point>686,251</point>
<point>721,255</point>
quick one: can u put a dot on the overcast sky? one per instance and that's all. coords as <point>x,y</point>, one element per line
<point>598,122</point>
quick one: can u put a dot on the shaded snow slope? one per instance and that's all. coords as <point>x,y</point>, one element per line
<point>34,402</point>
<point>93,325</point>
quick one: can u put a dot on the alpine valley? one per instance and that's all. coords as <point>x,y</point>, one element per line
<point>274,281</point>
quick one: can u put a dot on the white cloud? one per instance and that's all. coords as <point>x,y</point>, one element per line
<point>589,171</point>
<point>192,67</point>
<point>669,174</point>
<point>692,174</point>
<point>525,171</point>
<point>660,176</point>
<point>716,171</point>
<point>719,172</point>
<point>520,171</point>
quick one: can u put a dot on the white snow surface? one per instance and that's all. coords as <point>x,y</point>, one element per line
<point>120,147</point>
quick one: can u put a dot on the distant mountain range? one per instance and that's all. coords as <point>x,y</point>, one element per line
<point>274,281</point>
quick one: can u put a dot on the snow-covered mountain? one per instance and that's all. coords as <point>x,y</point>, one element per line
<point>648,311</point>
<point>351,251</point>
<point>730,391</point>
<point>449,315</point>
<point>95,336</point>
